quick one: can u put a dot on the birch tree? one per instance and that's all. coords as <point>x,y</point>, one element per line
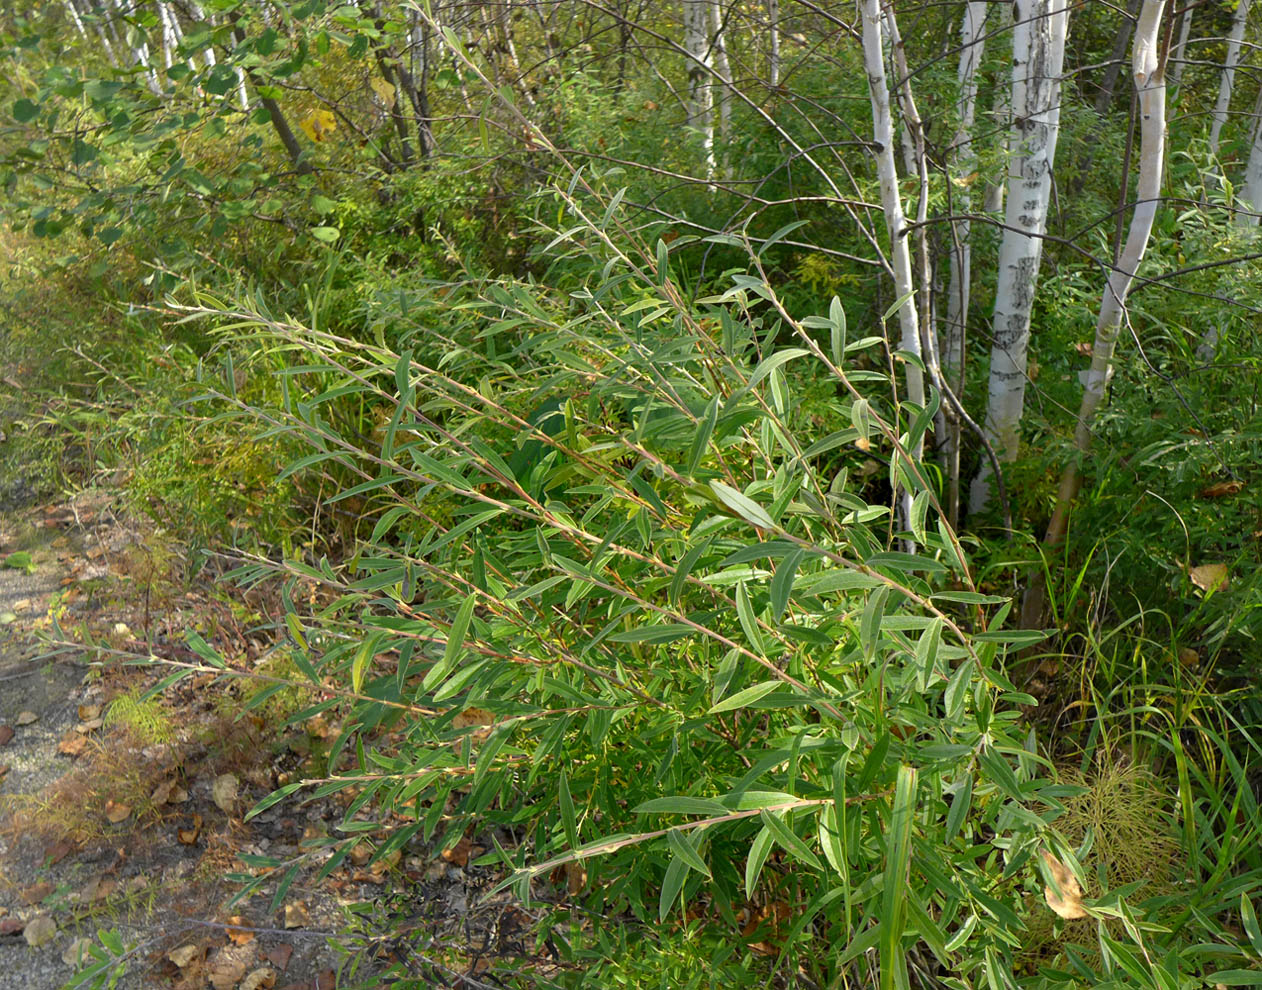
<point>891,199</point>
<point>1252,192</point>
<point>700,68</point>
<point>1227,79</point>
<point>1038,51</point>
<point>1148,72</point>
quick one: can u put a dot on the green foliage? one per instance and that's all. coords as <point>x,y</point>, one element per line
<point>143,717</point>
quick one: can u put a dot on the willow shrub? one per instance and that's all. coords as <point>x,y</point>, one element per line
<point>621,603</point>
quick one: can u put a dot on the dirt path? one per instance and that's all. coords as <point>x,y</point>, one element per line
<point>104,829</point>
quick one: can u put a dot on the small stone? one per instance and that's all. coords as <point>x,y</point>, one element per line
<point>77,952</point>
<point>40,931</point>
<point>121,629</point>
<point>89,726</point>
<point>21,605</point>
<point>224,792</point>
<point>26,718</point>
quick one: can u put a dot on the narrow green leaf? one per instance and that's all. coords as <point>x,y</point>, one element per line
<point>363,660</point>
<point>705,429</point>
<point>782,583</point>
<point>759,849</point>
<point>789,840</point>
<point>681,804</point>
<point>927,653</point>
<point>455,644</point>
<point>897,862</point>
<point>746,697</point>
<point>1250,919</point>
<point>749,621</point>
<point>742,505</point>
<point>870,624</point>
<point>672,884</point>
<point>568,819</point>
<point>682,847</point>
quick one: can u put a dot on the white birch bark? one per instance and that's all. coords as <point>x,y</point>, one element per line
<point>773,40</point>
<point>1228,77</point>
<point>1252,191</point>
<point>1149,75</point>
<point>700,67</point>
<point>961,164</point>
<point>1038,51</point>
<point>724,70</point>
<point>891,198</point>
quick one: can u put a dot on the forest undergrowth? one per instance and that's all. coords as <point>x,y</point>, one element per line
<point>644,587</point>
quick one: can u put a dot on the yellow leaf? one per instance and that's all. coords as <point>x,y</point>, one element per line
<point>319,125</point>
<point>384,91</point>
<point>1068,901</point>
<point>1209,577</point>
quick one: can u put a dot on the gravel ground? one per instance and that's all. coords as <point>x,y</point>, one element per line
<point>164,897</point>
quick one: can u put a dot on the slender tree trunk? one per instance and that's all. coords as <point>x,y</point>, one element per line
<point>724,70</point>
<point>700,84</point>
<point>961,169</point>
<point>1038,50</point>
<point>279,124</point>
<point>1252,191</point>
<point>1228,77</point>
<point>891,198</point>
<point>1150,84</point>
<point>1108,85</point>
<point>773,41</point>
<point>1177,57</point>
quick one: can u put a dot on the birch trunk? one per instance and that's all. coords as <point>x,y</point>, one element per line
<point>1148,72</point>
<point>1252,191</point>
<point>1228,78</point>
<point>1038,52</point>
<point>961,166</point>
<point>961,163</point>
<point>891,199</point>
<point>773,40</point>
<point>724,69</point>
<point>700,67</point>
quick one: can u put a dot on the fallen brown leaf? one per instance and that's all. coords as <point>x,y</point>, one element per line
<point>6,734</point>
<point>188,836</point>
<point>459,853</point>
<point>263,978</point>
<point>239,935</point>
<point>184,955</point>
<point>11,926</point>
<point>116,812</point>
<point>1209,577</point>
<point>58,851</point>
<point>1222,489</point>
<point>35,893</point>
<point>1068,902</point>
<point>279,955</point>
<point>297,915</point>
<point>88,712</point>
<point>72,744</point>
